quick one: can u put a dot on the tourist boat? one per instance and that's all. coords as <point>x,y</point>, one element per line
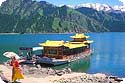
<point>61,52</point>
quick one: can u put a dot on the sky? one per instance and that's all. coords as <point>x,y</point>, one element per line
<point>76,2</point>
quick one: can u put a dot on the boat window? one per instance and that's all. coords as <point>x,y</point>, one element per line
<point>52,51</point>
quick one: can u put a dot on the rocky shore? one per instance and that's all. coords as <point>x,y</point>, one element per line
<point>85,78</point>
<point>47,75</point>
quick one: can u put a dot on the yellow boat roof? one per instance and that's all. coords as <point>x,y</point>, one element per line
<point>75,42</point>
<point>52,43</point>
<point>88,41</point>
<point>74,45</point>
<point>79,36</point>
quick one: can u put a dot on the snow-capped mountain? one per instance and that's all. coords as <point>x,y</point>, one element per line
<point>96,6</point>
<point>119,8</point>
<point>100,7</point>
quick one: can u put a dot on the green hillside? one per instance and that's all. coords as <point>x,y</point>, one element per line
<point>27,16</point>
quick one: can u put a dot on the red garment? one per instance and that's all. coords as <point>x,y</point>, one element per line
<point>14,63</point>
<point>16,71</point>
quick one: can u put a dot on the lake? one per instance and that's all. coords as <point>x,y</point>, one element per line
<point>108,56</point>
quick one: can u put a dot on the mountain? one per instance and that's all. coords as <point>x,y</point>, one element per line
<point>100,7</point>
<point>27,16</point>
<point>115,22</point>
<point>96,6</point>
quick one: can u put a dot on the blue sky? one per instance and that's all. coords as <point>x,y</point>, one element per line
<point>75,2</point>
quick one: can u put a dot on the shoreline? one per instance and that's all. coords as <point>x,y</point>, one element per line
<point>37,75</point>
<point>8,33</point>
<point>53,33</point>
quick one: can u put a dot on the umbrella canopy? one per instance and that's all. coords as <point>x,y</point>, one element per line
<point>11,54</point>
<point>1,81</point>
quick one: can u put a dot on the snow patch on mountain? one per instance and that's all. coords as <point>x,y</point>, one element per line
<point>1,1</point>
<point>100,7</point>
<point>119,8</point>
<point>96,6</point>
<point>123,1</point>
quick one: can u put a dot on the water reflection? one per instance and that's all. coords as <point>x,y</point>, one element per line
<point>81,65</point>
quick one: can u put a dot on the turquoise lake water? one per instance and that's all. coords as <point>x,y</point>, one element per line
<point>108,56</point>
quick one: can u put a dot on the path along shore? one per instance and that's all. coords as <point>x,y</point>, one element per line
<point>47,75</point>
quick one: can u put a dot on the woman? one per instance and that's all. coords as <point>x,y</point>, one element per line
<point>16,71</point>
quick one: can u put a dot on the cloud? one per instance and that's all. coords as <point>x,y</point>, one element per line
<point>1,1</point>
<point>123,1</point>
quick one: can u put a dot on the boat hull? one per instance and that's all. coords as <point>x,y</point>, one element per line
<point>55,62</point>
<point>50,61</point>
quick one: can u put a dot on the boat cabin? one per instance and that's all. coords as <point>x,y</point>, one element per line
<point>79,37</point>
<point>53,49</point>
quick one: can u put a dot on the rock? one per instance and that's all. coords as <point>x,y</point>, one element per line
<point>100,75</point>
